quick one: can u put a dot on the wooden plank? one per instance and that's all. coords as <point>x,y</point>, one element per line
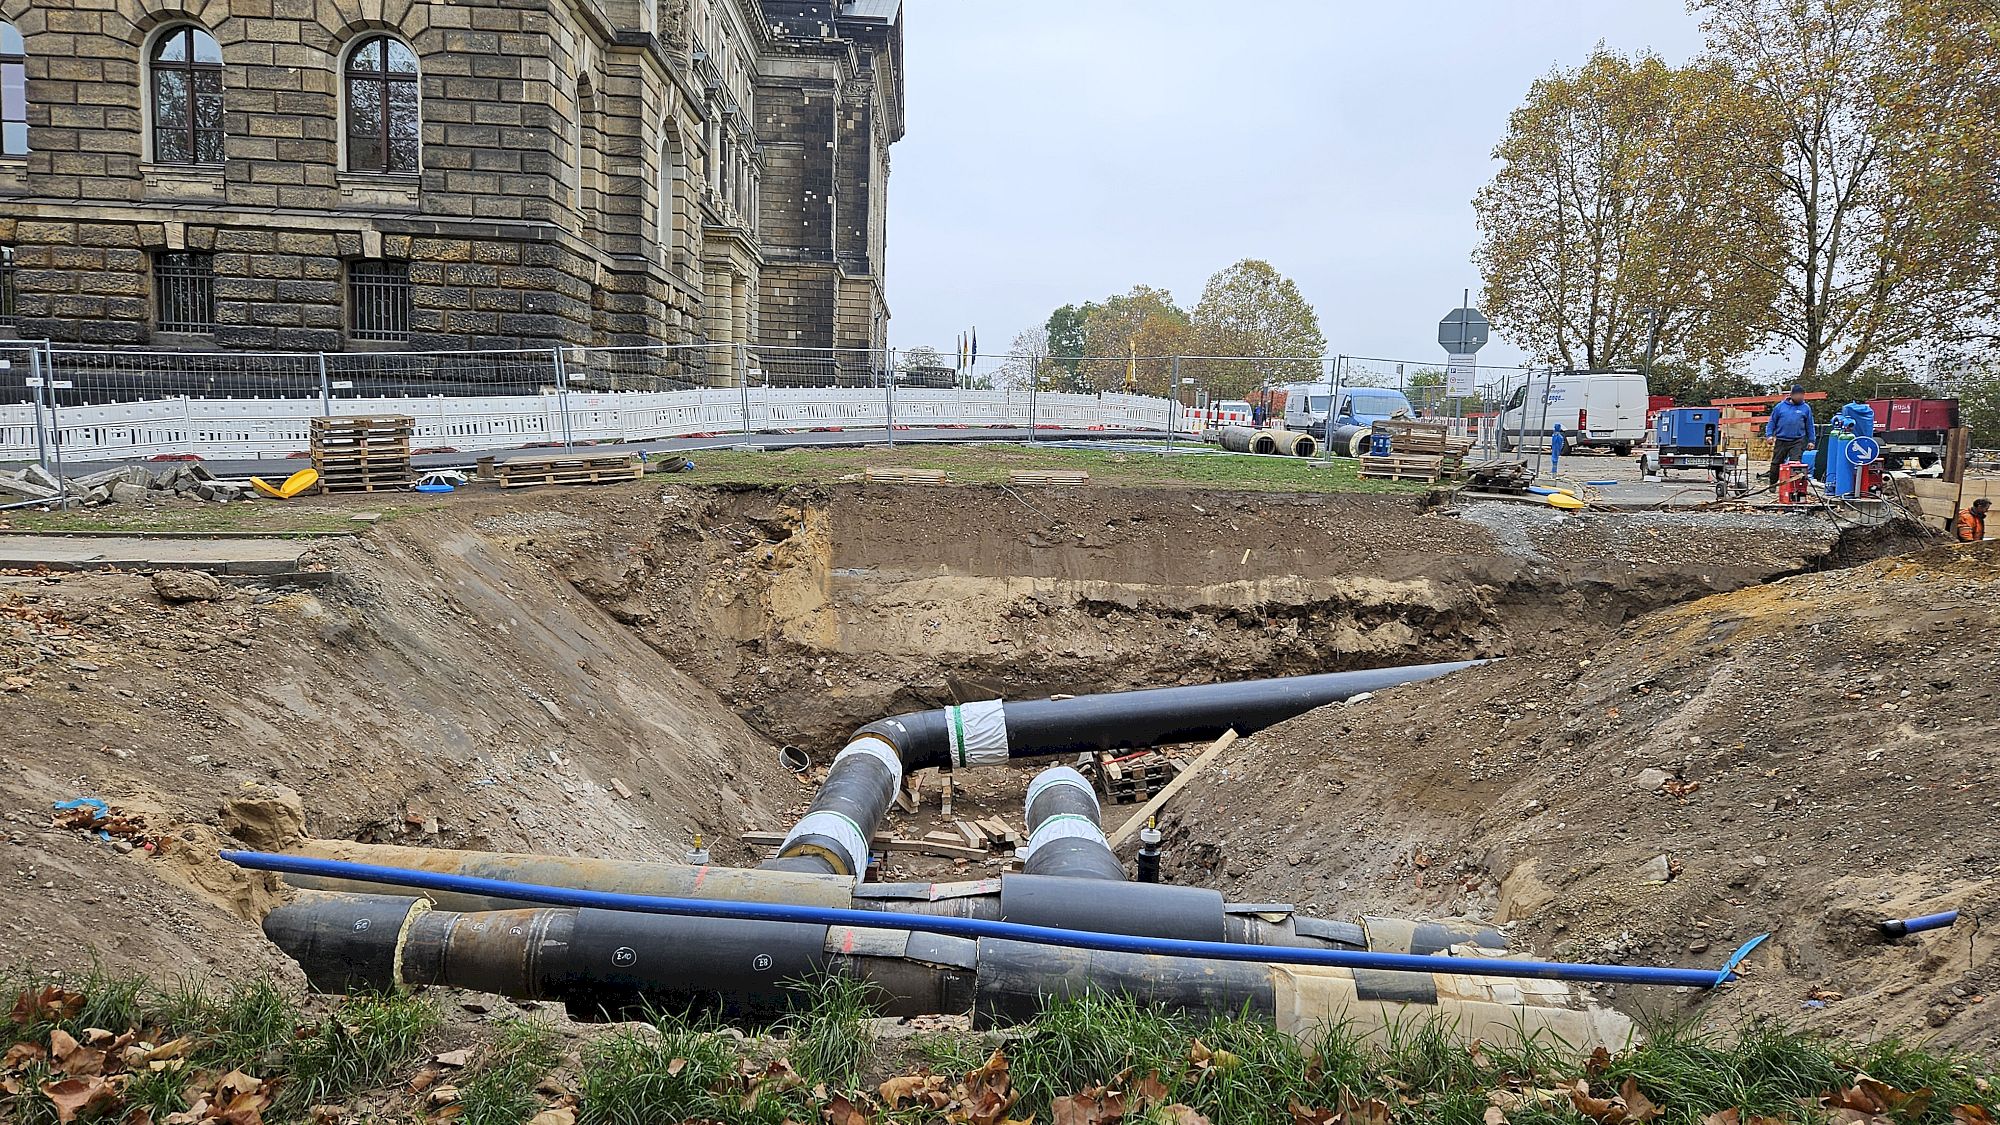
<point>1048,476</point>
<point>974,838</point>
<point>944,793</point>
<point>1957,444</point>
<point>1935,489</point>
<point>1138,820</point>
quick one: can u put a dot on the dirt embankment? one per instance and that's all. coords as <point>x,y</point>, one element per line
<point>442,688</point>
<point>1802,758</point>
<point>813,610</point>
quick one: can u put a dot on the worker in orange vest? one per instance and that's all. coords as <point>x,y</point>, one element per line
<point>1971,523</point>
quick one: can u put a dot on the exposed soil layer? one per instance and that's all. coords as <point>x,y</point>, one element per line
<point>1803,758</point>
<point>609,671</point>
<point>815,610</point>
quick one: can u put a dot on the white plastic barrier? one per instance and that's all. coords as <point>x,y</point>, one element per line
<point>245,428</point>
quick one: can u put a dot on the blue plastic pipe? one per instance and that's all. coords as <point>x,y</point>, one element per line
<point>981,928</point>
<point>1903,926</point>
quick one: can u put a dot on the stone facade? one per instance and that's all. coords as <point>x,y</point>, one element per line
<point>591,172</point>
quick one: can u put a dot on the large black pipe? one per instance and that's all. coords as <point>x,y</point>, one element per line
<point>834,835</point>
<point>1065,830</point>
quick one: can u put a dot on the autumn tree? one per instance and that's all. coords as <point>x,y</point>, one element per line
<point>1615,212</point>
<point>1131,335</point>
<point>1874,245</point>
<point>1064,341</point>
<point>1028,362</point>
<point>1250,309</point>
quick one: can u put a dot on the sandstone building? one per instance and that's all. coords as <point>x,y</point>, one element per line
<point>436,174</point>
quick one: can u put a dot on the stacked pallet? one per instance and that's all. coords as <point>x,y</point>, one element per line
<point>1503,475</point>
<point>568,468</point>
<point>1416,438</point>
<point>1400,467</point>
<point>1135,778</point>
<point>363,454</point>
<point>1048,476</point>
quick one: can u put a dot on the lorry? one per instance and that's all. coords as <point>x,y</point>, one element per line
<point>1596,409</point>
<point>1304,406</point>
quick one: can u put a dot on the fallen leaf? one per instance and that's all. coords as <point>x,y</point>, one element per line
<point>1600,1061</point>
<point>454,1058</point>
<point>927,1088</point>
<point>72,1097</point>
<point>1971,1115</point>
<point>1495,1115</point>
<point>839,1111</point>
<point>1728,1116</point>
<point>1177,1114</point>
<point>560,1115</point>
<point>20,1055</point>
<point>1604,1111</point>
<point>1095,1106</point>
<point>675,1066</point>
<point>1303,1116</point>
<point>1638,1107</point>
<point>48,1005</point>
<point>1150,1090</point>
<point>423,1079</point>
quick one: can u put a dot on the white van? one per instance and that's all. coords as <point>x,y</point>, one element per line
<point>1306,406</point>
<point>1600,409</point>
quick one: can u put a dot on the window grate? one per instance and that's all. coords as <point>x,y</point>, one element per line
<point>184,291</point>
<point>378,300</point>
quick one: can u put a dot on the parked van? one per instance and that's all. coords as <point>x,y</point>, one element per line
<point>1600,409</point>
<point>1306,404</point>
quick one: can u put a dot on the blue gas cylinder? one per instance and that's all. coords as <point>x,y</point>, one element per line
<point>1839,469</point>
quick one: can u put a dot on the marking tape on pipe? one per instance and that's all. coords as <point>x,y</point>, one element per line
<point>837,827</point>
<point>978,732</point>
<point>868,746</point>
<point>1065,826</point>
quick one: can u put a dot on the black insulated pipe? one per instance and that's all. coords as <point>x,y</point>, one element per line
<point>834,836</point>
<point>1065,830</point>
<point>1150,838</point>
<point>987,733</point>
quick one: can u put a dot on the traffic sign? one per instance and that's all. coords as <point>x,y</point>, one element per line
<point>1463,331</point>
<point>1461,376</point>
<point>1863,451</point>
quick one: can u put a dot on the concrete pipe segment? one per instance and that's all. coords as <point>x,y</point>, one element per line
<point>1243,439</point>
<point>1294,443</point>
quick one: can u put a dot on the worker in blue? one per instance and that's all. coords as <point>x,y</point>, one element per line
<point>1556,444</point>
<point>1790,429</point>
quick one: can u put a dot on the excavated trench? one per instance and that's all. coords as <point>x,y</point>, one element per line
<point>813,610</point>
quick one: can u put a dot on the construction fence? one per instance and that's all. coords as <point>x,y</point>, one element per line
<point>69,403</point>
<point>77,405</point>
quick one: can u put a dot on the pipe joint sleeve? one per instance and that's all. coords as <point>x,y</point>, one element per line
<point>847,835</point>
<point>978,733</point>
<point>1063,826</point>
<point>876,747</point>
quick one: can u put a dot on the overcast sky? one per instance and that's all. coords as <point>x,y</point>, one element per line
<point>1066,150</point>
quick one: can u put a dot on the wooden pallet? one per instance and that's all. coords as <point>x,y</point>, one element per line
<point>1134,780</point>
<point>888,475</point>
<point>1048,476</point>
<point>585,468</point>
<point>1401,467</point>
<point>383,423</point>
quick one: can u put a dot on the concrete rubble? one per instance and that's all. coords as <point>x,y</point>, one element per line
<point>129,484</point>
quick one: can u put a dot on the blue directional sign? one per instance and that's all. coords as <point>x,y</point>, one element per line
<point>1863,451</point>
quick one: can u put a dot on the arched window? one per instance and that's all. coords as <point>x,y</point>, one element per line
<point>187,97</point>
<point>383,130</point>
<point>13,92</point>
